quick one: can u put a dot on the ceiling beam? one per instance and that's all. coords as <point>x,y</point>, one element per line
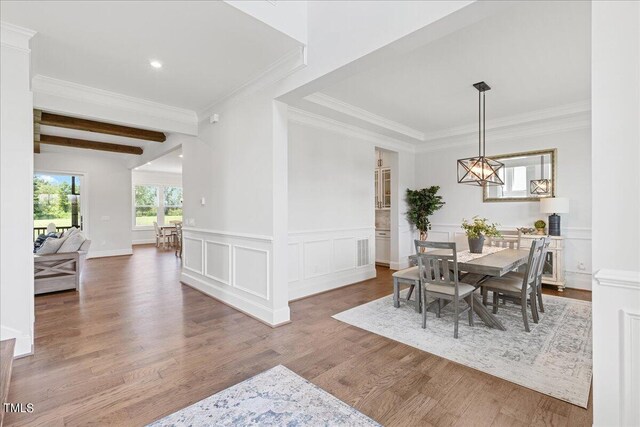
<point>36,132</point>
<point>58,120</point>
<point>89,145</point>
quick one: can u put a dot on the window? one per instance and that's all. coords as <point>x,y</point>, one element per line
<point>158,203</point>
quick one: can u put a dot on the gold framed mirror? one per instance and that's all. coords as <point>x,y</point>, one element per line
<point>528,177</point>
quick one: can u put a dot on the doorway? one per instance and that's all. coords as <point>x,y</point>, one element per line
<point>58,198</point>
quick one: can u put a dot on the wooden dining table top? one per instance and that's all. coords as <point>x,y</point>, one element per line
<point>496,264</point>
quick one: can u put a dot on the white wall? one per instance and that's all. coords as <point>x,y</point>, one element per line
<point>330,208</point>
<point>108,189</point>
<point>16,202</point>
<point>142,236</point>
<point>235,244</point>
<point>616,212</point>
<point>464,201</point>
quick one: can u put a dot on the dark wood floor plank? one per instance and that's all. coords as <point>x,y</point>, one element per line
<point>134,345</point>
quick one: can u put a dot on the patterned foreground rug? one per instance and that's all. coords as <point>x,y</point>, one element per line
<point>554,358</point>
<point>277,397</point>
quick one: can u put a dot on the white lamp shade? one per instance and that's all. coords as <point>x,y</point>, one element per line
<point>554,205</point>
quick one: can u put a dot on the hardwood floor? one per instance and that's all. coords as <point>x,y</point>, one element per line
<point>135,345</point>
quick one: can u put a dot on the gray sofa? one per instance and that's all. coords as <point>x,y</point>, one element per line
<point>59,271</point>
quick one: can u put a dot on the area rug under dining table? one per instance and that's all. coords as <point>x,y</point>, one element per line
<point>555,358</point>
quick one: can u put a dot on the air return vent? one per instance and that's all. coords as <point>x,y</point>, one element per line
<point>363,252</point>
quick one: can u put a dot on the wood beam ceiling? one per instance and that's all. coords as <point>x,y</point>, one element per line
<point>90,145</point>
<point>49,119</point>
<point>58,120</point>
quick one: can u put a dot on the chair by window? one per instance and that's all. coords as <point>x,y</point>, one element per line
<point>161,236</point>
<point>178,239</point>
<point>438,270</point>
<point>519,286</point>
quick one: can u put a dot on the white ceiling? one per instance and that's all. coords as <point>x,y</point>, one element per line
<point>208,48</point>
<point>534,55</point>
<point>170,163</point>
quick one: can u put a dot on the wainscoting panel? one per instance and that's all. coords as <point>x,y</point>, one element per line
<point>254,280</point>
<point>328,259</point>
<point>193,254</point>
<point>234,268</point>
<point>317,258</point>
<point>344,253</point>
<point>616,348</point>
<point>218,261</point>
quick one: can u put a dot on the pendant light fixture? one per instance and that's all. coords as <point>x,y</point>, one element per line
<point>480,170</point>
<point>540,186</point>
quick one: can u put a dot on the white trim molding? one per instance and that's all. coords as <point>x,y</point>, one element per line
<point>296,115</point>
<point>109,253</point>
<point>616,350</point>
<point>321,260</point>
<point>536,123</point>
<point>286,65</point>
<point>15,37</point>
<point>240,274</point>
<point>364,115</point>
<point>66,97</point>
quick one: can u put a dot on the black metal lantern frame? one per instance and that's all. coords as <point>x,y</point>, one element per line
<point>540,186</point>
<point>480,170</point>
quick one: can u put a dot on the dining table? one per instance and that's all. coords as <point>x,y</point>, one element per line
<point>495,263</point>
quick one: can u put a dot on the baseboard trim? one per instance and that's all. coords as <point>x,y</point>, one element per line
<point>110,253</point>
<point>329,282</point>
<point>143,241</point>
<point>273,318</point>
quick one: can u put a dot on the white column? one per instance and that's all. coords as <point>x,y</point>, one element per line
<point>16,189</point>
<point>616,212</point>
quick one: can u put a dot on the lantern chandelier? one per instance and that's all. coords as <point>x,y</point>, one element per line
<point>480,170</point>
<point>540,186</point>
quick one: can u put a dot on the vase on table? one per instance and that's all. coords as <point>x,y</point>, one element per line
<point>476,244</point>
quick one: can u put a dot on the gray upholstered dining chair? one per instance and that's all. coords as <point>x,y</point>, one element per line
<point>540,271</point>
<point>519,286</point>
<point>438,269</point>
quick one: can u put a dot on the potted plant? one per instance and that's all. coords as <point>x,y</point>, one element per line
<point>421,205</point>
<point>476,232</point>
<point>540,226</point>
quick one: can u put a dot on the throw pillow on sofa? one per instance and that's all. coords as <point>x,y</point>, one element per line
<point>50,246</point>
<point>73,242</point>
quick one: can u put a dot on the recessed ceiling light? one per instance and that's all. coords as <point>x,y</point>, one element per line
<point>155,64</point>
<point>148,163</point>
<point>180,156</point>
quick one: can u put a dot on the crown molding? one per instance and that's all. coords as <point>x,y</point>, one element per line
<point>15,36</point>
<point>568,110</point>
<point>289,63</point>
<point>362,114</point>
<point>73,98</point>
<point>303,117</point>
<point>543,122</point>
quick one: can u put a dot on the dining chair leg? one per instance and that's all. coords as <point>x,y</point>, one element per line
<point>419,292</point>
<point>410,292</point>
<point>495,302</point>
<point>523,305</point>
<point>438,307</point>
<point>455,328</point>
<point>539,294</point>
<point>471,310</point>
<point>534,307</point>
<point>424,308</point>
<point>396,293</point>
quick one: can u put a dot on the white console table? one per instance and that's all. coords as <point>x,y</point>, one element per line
<point>553,273</point>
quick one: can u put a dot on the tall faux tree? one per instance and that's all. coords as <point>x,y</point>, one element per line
<point>421,205</point>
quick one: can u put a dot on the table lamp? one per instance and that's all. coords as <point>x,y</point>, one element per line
<point>554,206</point>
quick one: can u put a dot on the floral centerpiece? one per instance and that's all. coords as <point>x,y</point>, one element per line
<point>476,231</point>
